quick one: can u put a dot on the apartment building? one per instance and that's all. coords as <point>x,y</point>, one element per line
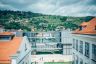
<point>14,50</point>
<point>84,43</point>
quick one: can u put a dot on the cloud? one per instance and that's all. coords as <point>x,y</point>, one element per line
<point>5,6</point>
<point>54,7</point>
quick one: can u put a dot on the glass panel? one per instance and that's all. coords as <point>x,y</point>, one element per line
<point>77,45</point>
<point>4,37</point>
<point>81,47</point>
<point>94,52</point>
<point>86,49</point>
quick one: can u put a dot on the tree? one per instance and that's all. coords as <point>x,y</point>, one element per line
<point>63,19</point>
<point>88,18</point>
<point>13,25</point>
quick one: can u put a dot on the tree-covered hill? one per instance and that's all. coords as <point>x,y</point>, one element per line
<point>29,20</point>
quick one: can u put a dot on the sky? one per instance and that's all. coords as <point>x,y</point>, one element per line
<point>52,7</point>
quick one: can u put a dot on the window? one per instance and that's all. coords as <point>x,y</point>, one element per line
<point>32,63</point>
<point>73,43</point>
<point>80,27</point>
<point>76,59</point>
<point>73,59</point>
<point>25,47</point>
<point>67,49</point>
<point>23,63</point>
<point>87,49</point>
<point>95,27</point>
<point>93,52</point>
<point>4,37</point>
<point>81,47</point>
<point>77,45</point>
<point>81,61</point>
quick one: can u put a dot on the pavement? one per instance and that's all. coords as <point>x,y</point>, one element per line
<point>51,58</point>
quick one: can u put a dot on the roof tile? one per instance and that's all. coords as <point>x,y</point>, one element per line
<point>9,48</point>
<point>89,29</point>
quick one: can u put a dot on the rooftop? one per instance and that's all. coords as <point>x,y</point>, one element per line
<point>8,48</point>
<point>88,28</point>
<point>6,33</point>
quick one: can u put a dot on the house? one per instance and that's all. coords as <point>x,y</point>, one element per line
<point>84,43</point>
<point>14,50</point>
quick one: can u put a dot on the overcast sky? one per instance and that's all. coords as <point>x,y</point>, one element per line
<point>54,7</point>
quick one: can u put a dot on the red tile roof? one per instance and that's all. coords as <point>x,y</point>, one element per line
<point>89,29</point>
<point>9,48</point>
<point>84,24</point>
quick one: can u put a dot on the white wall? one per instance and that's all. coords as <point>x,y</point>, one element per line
<point>24,56</point>
<point>66,40</point>
<point>85,38</point>
<point>66,37</point>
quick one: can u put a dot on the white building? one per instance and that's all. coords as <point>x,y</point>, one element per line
<point>66,40</point>
<point>14,50</point>
<point>84,43</point>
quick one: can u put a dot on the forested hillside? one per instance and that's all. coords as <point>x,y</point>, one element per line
<point>28,21</point>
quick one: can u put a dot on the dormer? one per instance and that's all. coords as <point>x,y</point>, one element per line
<point>95,27</point>
<point>6,36</point>
<point>80,27</point>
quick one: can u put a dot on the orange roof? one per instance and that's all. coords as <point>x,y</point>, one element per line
<point>89,29</point>
<point>9,48</point>
<point>76,31</point>
<point>84,24</point>
<point>6,33</point>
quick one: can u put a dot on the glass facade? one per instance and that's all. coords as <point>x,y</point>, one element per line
<point>45,41</point>
<point>43,37</point>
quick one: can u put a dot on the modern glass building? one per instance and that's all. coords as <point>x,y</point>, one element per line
<point>45,41</point>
